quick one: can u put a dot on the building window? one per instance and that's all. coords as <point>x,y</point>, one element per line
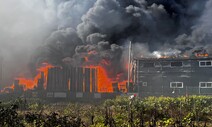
<point>144,83</point>
<point>176,84</point>
<point>205,63</point>
<point>205,85</point>
<point>176,64</point>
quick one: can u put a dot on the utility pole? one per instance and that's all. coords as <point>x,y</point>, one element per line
<point>129,62</point>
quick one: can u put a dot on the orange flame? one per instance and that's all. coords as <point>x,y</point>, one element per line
<point>6,89</point>
<point>92,52</point>
<point>164,57</point>
<point>105,83</point>
<point>32,83</point>
<point>86,59</point>
<point>201,55</point>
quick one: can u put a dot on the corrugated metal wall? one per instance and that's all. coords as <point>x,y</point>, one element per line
<point>72,79</point>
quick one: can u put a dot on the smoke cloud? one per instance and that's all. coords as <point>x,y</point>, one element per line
<point>23,27</point>
<point>68,31</point>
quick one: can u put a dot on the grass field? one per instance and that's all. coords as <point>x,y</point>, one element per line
<point>193,111</point>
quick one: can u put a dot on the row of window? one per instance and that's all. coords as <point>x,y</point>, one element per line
<point>180,84</point>
<point>205,63</point>
<point>164,64</point>
<point>176,84</point>
<point>205,84</point>
<point>174,64</point>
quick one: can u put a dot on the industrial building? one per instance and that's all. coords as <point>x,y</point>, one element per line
<point>173,76</point>
<point>72,82</point>
<point>63,84</point>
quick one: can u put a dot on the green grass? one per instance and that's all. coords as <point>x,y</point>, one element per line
<point>183,111</point>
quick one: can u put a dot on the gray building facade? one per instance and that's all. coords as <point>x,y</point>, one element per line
<point>173,76</point>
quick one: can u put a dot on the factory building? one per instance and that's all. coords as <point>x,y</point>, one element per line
<point>173,76</point>
<point>74,79</point>
<point>74,82</point>
<point>64,84</point>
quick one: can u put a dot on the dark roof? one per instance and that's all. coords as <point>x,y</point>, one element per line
<point>173,59</point>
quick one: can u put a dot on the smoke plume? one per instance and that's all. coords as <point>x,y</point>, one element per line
<point>97,32</point>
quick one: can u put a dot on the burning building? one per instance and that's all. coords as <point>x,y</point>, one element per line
<point>81,80</point>
<point>174,76</point>
<point>63,83</point>
<point>97,30</point>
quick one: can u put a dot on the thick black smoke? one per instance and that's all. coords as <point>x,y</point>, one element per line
<point>98,32</point>
<point>80,32</point>
<point>200,36</point>
<point>155,22</point>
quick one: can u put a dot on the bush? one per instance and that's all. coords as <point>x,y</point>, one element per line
<point>151,111</point>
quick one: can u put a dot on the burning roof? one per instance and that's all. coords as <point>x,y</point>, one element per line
<point>97,32</point>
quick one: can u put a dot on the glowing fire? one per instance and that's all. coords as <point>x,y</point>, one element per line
<point>92,52</point>
<point>32,83</point>
<point>104,80</point>
<point>6,89</point>
<point>201,55</point>
<point>164,57</point>
<point>86,59</point>
<point>105,83</point>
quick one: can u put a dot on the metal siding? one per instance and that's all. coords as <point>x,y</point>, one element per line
<point>73,75</point>
<point>159,78</point>
<point>87,79</point>
<point>79,79</point>
<point>93,80</point>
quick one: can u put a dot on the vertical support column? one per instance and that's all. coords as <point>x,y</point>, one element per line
<point>60,79</point>
<point>83,79</point>
<point>54,79</point>
<point>73,77</point>
<point>63,79</point>
<point>87,79</point>
<point>66,80</point>
<point>49,79</point>
<point>137,73</point>
<point>79,79</point>
<point>93,73</point>
<point>57,80</point>
<point>96,80</point>
<point>129,62</point>
<point>40,84</point>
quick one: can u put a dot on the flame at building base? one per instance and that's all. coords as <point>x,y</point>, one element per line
<point>104,82</point>
<point>31,83</point>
